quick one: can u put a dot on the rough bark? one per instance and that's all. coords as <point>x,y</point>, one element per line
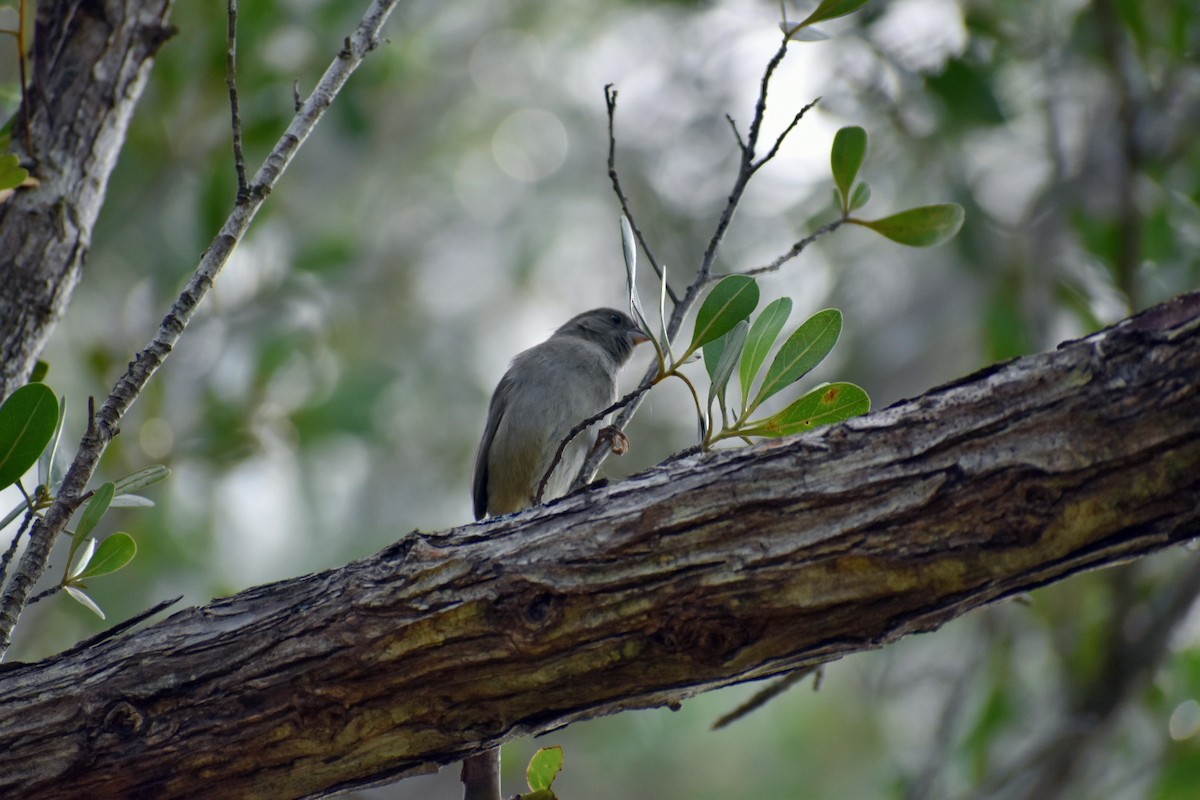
<point>90,62</point>
<point>702,572</point>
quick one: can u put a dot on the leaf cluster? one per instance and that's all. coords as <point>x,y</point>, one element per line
<point>31,423</point>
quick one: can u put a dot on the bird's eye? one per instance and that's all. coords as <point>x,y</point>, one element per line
<point>615,319</point>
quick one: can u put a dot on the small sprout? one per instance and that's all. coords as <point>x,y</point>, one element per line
<point>846,158</point>
<point>860,196</point>
<point>540,774</point>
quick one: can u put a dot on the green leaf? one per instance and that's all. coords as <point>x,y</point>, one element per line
<point>761,339</point>
<point>136,481</point>
<point>94,510</point>
<point>804,349</point>
<point>824,405</point>
<point>860,196</point>
<point>40,370</point>
<point>726,360</point>
<point>846,157</point>
<point>48,467</point>
<point>629,250</point>
<point>84,600</point>
<point>113,553</point>
<point>27,421</point>
<point>12,174</point>
<point>832,9</point>
<point>919,227</point>
<point>89,549</point>
<point>544,768</point>
<point>731,301</point>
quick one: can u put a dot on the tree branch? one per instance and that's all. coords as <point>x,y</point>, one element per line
<point>707,571</point>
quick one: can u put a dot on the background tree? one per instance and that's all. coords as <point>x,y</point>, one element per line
<point>457,209</point>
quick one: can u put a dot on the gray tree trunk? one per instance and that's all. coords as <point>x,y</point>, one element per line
<point>90,63</point>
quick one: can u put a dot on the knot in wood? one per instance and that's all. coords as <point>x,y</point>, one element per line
<point>710,636</point>
<point>124,720</point>
<point>526,607</point>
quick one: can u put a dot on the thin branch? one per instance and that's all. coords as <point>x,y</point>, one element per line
<point>766,695</point>
<point>239,158</point>
<point>737,135</point>
<point>610,101</point>
<point>146,363</point>
<point>779,141</point>
<point>11,550</point>
<point>580,428</point>
<point>795,250</point>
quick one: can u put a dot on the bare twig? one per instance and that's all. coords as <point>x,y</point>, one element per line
<point>610,101</point>
<point>239,158</point>
<point>580,428</point>
<point>795,250</point>
<point>11,550</point>
<point>779,140</point>
<point>766,695</point>
<point>36,557</point>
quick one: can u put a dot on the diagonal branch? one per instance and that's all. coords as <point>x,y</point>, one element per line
<point>707,571</point>
<point>142,368</point>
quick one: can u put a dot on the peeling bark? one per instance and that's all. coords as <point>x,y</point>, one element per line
<point>702,572</point>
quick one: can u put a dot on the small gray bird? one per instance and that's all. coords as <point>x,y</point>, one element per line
<point>548,390</point>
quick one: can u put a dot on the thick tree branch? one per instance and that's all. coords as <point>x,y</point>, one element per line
<point>706,571</point>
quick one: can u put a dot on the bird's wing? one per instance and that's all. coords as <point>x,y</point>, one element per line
<point>496,409</point>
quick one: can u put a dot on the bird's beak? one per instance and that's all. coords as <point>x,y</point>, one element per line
<point>637,336</point>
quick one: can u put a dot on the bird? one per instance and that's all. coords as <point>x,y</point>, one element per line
<point>548,390</point>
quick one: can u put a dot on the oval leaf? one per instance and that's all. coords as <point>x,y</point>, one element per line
<point>920,227</point>
<point>27,422</point>
<point>845,157</point>
<point>12,174</point>
<point>761,339</point>
<point>832,9</point>
<point>804,349</point>
<point>94,510</point>
<point>84,600</point>
<point>113,553</point>
<point>89,549</point>
<point>731,301</point>
<point>48,467</point>
<point>824,405</point>
<point>731,351</point>
<point>136,481</point>
<point>544,767</point>
<point>629,250</point>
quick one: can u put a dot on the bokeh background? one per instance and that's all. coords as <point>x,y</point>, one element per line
<point>453,209</point>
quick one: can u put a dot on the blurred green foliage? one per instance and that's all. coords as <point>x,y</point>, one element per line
<point>330,396</point>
